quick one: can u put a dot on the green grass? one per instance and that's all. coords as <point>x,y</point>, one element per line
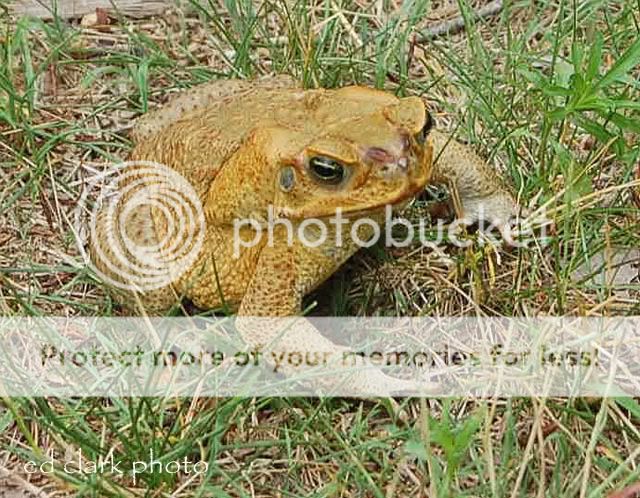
<point>549,92</point>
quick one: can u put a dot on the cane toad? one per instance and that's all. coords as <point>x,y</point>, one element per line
<point>247,147</point>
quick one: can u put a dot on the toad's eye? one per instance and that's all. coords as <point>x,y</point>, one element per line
<point>327,170</point>
<point>428,124</point>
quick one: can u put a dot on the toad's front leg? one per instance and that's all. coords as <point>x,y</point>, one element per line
<point>276,290</point>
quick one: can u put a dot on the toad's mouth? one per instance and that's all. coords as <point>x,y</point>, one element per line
<point>395,202</point>
<point>360,209</point>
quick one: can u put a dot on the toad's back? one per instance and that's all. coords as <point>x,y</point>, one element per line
<point>196,132</point>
